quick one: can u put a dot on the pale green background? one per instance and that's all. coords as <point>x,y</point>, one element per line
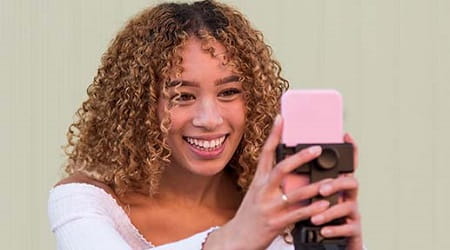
<point>389,58</point>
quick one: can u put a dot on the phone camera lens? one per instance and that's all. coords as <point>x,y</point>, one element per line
<point>328,159</point>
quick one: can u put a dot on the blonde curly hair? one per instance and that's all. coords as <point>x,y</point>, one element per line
<point>117,137</point>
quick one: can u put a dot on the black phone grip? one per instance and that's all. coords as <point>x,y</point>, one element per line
<point>335,159</point>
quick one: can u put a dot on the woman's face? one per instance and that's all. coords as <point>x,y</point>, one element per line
<point>207,122</point>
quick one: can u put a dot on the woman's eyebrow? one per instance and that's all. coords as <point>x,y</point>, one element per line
<point>232,78</point>
<point>180,83</point>
<point>228,79</point>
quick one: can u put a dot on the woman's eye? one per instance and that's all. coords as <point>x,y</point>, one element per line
<point>229,93</point>
<point>183,97</point>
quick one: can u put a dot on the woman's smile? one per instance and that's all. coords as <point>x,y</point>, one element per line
<point>206,148</point>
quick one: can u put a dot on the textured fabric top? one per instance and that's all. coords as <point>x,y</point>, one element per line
<point>83,216</point>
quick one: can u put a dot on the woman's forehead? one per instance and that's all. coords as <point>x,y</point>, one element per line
<point>212,46</point>
<point>196,53</point>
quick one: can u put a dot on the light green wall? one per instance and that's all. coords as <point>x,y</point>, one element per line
<point>389,58</point>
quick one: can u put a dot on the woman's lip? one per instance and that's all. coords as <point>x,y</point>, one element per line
<point>207,155</point>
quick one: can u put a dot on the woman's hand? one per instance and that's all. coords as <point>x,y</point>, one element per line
<point>267,210</point>
<point>346,208</point>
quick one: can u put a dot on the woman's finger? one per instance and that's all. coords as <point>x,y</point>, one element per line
<point>346,209</point>
<point>266,159</point>
<point>344,183</point>
<point>298,196</point>
<point>349,139</point>
<point>292,162</point>
<point>303,213</point>
<point>345,230</point>
<point>293,181</point>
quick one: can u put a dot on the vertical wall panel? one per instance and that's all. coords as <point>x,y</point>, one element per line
<point>441,119</point>
<point>389,58</point>
<point>379,123</point>
<point>416,117</point>
<point>6,135</point>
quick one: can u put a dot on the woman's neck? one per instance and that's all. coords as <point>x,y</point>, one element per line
<point>184,187</point>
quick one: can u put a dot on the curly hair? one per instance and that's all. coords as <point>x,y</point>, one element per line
<point>117,137</point>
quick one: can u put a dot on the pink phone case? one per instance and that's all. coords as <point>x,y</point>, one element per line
<point>312,116</point>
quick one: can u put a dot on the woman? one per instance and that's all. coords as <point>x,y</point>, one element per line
<point>174,147</point>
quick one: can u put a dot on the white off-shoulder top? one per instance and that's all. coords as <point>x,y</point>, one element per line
<point>85,217</point>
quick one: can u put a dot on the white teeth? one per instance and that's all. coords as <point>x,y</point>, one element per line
<point>204,144</point>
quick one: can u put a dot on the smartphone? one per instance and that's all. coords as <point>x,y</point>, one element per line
<point>314,117</point>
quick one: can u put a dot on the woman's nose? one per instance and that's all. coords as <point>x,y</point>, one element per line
<point>208,115</point>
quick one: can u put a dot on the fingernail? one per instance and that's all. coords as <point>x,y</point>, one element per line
<point>315,150</point>
<point>318,219</point>
<point>324,204</point>
<point>326,232</point>
<point>325,189</point>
